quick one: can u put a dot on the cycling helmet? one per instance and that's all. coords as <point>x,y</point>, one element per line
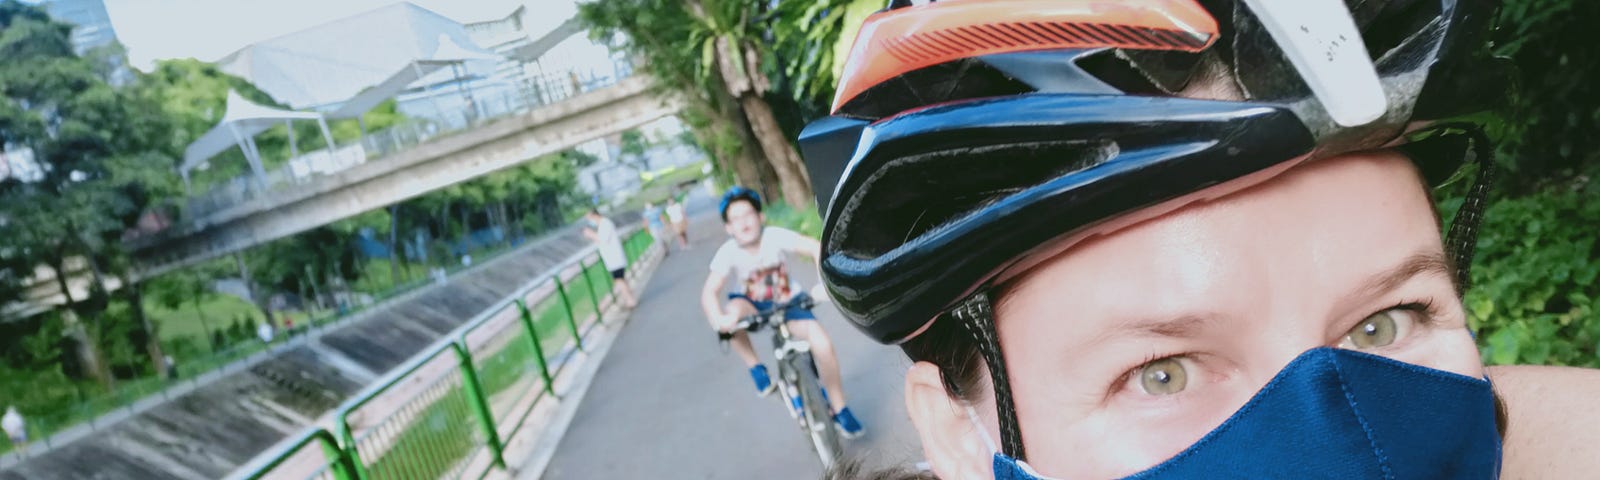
<point>968,139</point>
<point>960,125</point>
<point>738,192</point>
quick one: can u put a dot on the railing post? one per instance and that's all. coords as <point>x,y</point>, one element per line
<point>538,351</point>
<point>594,296</point>
<point>566,306</point>
<point>342,466</point>
<point>350,451</point>
<point>480,403</point>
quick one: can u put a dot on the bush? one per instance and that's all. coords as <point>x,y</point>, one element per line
<point>1534,282</point>
<point>806,221</point>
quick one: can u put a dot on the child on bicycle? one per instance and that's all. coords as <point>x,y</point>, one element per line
<point>754,257</point>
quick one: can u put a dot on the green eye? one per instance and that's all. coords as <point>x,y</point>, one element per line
<point>1377,330</point>
<point>1163,377</point>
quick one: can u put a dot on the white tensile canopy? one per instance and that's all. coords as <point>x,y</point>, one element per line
<point>240,123</point>
<point>447,54</point>
<point>334,63</point>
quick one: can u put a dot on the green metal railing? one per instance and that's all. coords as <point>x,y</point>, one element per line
<point>129,394</point>
<point>450,410</point>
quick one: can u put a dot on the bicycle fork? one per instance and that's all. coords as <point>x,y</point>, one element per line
<point>789,374</point>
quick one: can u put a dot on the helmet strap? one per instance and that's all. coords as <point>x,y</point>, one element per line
<point>977,317</point>
<point>1462,239</point>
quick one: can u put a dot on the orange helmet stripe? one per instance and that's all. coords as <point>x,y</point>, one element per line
<point>893,42</point>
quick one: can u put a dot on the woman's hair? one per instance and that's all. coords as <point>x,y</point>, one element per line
<point>852,468</point>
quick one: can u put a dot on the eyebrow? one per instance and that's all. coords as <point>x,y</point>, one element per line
<point>1429,262</point>
<point>1191,325</point>
<point>1184,326</point>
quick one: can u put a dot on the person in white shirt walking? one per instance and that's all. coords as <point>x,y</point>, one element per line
<point>604,233</point>
<point>16,429</point>
<point>264,331</point>
<point>680,222</point>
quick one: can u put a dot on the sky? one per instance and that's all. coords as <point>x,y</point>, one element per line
<point>211,29</point>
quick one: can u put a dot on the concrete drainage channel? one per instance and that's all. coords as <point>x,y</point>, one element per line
<point>486,401</point>
<point>208,428</point>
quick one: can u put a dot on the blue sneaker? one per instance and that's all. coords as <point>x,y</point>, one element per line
<point>763,381</point>
<point>848,426</point>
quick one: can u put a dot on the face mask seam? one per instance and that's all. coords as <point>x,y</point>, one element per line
<point>1383,460</point>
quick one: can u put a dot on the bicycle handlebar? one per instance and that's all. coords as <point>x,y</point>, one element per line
<point>763,318</point>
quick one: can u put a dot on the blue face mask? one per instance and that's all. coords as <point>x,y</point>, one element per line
<point>1334,413</point>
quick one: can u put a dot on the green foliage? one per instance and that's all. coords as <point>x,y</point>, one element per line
<point>805,220</point>
<point>103,154</point>
<point>1537,276</point>
<point>634,143</point>
<point>678,49</point>
<point>813,39</point>
<point>1548,129</point>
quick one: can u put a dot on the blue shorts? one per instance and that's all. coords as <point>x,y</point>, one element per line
<point>790,314</point>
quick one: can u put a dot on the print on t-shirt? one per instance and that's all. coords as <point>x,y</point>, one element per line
<point>763,274</point>
<point>768,283</point>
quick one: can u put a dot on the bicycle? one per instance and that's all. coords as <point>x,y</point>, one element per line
<point>797,377</point>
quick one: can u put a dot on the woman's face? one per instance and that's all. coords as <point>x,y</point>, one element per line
<point>1130,347</point>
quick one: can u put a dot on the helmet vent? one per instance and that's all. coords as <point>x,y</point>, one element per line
<point>897,197</point>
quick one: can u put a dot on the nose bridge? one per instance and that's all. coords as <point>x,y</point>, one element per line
<point>1294,306</point>
<point>1286,336</point>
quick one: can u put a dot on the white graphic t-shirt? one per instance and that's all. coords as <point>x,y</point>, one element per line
<point>762,276</point>
<point>610,244</point>
<point>675,213</point>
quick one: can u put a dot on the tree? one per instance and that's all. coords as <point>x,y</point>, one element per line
<point>727,38</point>
<point>659,32</point>
<point>812,41</point>
<point>100,153</point>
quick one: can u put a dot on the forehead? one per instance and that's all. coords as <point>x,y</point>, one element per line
<point>740,207</point>
<point>1301,239</point>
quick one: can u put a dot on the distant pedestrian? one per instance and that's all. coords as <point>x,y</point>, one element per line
<point>605,236</point>
<point>680,222</point>
<point>16,429</point>
<point>264,330</point>
<point>172,367</point>
<point>653,221</point>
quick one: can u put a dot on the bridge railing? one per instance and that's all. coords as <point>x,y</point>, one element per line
<point>533,93</point>
<point>451,409</point>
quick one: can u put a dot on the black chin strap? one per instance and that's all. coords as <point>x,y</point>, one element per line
<point>976,315</point>
<point>1462,240</point>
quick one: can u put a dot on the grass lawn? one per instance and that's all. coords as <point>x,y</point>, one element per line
<point>658,187</point>
<point>219,311</point>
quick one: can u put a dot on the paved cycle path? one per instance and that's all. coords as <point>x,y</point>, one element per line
<point>668,403</point>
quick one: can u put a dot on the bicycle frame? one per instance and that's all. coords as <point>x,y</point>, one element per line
<point>797,378</point>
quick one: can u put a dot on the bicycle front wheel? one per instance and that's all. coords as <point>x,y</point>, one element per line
<point>817,415</point>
